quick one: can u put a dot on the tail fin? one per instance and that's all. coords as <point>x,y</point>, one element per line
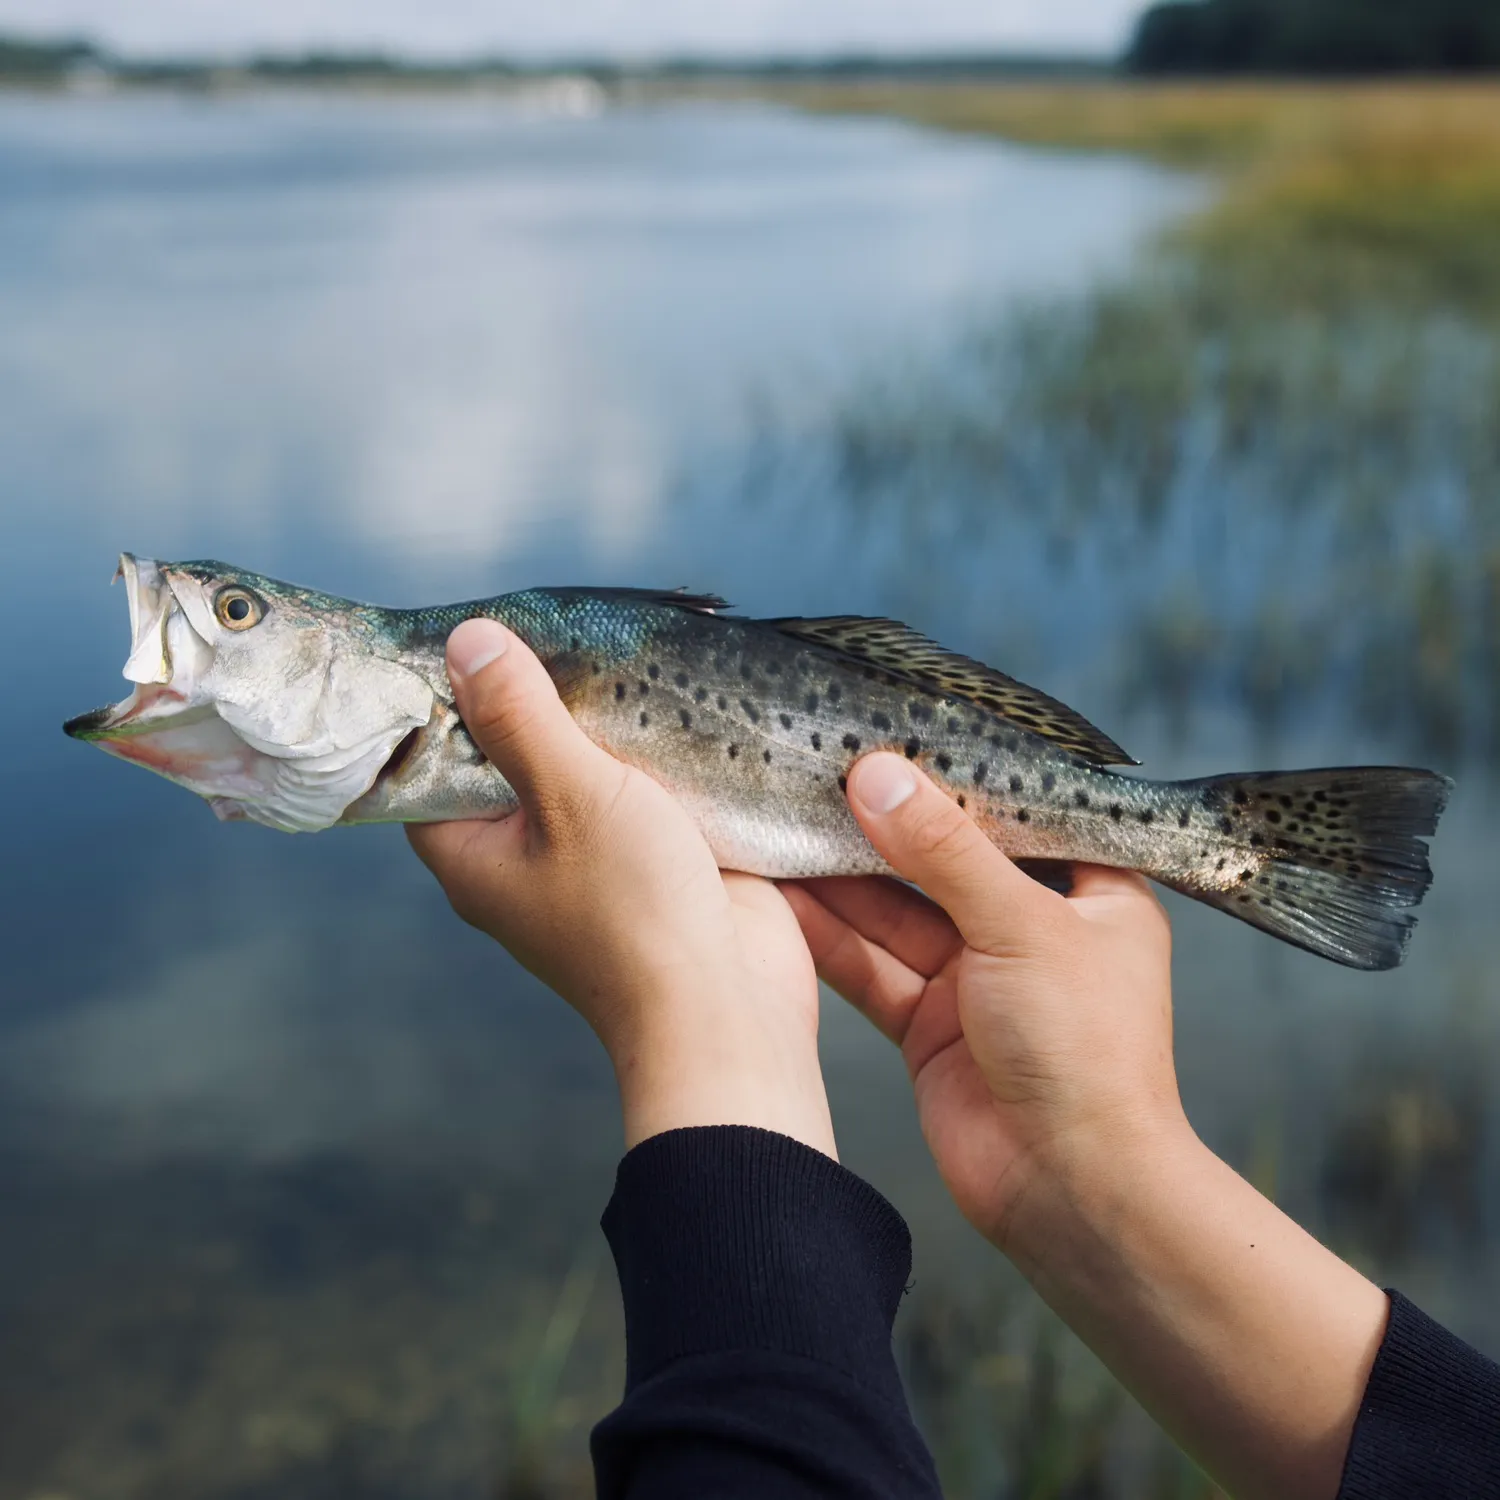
<point>1334,860</point>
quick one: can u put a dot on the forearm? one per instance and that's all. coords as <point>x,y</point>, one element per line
<point>760,1281</point>
<point>1248,1341</point>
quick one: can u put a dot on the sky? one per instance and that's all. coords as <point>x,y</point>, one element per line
<point>633,28</point>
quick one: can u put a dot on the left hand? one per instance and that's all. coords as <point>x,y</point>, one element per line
<point>699,983</point>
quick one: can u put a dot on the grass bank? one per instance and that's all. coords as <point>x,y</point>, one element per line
<point>1329,189</point>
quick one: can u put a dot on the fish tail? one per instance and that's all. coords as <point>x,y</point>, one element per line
<point>1332,860</point>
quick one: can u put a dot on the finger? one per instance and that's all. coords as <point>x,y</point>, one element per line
<point>927,838</point>
<point>874,982</point>
<point>511,707</point>
<point>442,846</point>
<point>901,920</point>
<point>1103,893</point>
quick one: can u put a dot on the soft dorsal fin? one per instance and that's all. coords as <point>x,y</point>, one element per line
<point>909,656</point>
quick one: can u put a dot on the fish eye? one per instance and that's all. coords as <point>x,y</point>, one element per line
<point>237,608</point>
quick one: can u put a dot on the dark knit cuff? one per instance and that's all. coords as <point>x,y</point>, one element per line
<point>728,1237</point>
<point>1429,1424</point>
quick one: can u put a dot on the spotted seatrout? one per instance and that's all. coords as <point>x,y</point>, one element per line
<point>300,710</point>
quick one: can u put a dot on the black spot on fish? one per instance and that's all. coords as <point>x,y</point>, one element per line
<point>1147,816</point>
<point>1184,818</point>
<point>1241,796</point>
<point>653,671</point>
<point>645,718</point>
<point>955,726</point>
<point>723,703</point>
<point>921,712</point>
<point>644,687</point>
<point>1017,784</point>
<point>1022,816</point>
<point>786,720</point>
<point>1246,874</point>
<point>977,728</point>
<point>1048,781</point>
<point>765,755</point>
<point>745,670</point>
<point>1226,824</point>
<point>681,679</point>
<point>574,643</point>
<point>851,743</point>
<point>686,717</point>
<point>961,801</point>
<point>1013,743</point>
<point>879,721</point>
<point>944,763</point>
<point>835,692</point>
<point>811,703</point>
<point>1256,841</point>
<point>843,783</point>
<point>751,711</point>
<point>1221,864</point>
<point>619,691</point>
<point>1273,816</point>
<point>913,748</point>
<point>980,772</point>
<point>734,751</point>
<point>1081,798</point>
<point>701,696</point>
<point>1116,811</point>
<point>817,740</point>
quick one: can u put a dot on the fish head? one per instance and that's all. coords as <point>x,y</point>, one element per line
<point>275,703</point>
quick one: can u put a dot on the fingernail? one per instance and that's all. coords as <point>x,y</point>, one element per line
<point>882,783</point>
<point>475,644</point>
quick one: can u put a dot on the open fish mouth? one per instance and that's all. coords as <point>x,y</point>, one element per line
<point>270,706</point>
<point>167,662</point>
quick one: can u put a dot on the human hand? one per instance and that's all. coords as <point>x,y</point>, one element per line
<point>1038,1032</point>
<point>698,983</point>
<point>1037,1028</point>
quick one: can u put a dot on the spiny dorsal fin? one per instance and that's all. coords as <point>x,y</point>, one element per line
<point>911,657</point>
<point>678,598</point>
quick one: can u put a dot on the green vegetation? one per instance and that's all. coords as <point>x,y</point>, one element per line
<point>30,62</point>
<point>1317,36</point>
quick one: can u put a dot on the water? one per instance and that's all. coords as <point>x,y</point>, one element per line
<point>292,1162</point>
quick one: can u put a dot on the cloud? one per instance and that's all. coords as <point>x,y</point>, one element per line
<point>631,27</point>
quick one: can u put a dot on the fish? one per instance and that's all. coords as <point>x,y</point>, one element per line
<point>300,710</point>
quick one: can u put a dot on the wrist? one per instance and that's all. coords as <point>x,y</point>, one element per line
<point>696,1066</point>
<point>1075,1193</point>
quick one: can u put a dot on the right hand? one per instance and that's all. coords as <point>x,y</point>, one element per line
<point>1037,1028</point>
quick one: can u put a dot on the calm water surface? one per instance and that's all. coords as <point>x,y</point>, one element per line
<point>291,1163</point>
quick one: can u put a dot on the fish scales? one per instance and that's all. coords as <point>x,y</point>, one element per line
<point>301,710</point>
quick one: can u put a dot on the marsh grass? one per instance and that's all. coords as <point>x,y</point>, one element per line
<point>1338,191</point>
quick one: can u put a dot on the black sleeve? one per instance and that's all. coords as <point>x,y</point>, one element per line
<point>1429,1425</point>
<point>760,1281</point>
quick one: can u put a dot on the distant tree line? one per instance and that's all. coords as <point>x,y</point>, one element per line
<point>24,60</point>
<point>1317,36</point>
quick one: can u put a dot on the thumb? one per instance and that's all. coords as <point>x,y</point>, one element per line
<point>928,839</point>
<point>509,704</point>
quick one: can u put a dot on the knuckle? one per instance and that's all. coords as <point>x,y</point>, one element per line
<point>504,715</point>
<point>942,836</point>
